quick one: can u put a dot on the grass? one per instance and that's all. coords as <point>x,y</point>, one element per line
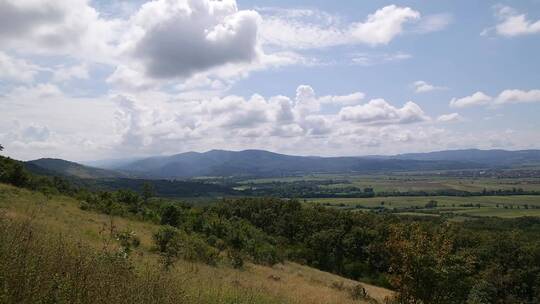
<point>62,229</point>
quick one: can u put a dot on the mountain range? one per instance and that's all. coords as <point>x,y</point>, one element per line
<point>260,163</point>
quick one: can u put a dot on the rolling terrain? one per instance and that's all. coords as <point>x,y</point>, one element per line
<point>284,283</point>
<point>67,168</point>
<point>259,163</point>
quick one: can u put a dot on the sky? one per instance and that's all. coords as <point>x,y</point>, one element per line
<point>97,79</point>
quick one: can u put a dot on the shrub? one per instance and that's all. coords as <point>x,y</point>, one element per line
<point>173,244</point>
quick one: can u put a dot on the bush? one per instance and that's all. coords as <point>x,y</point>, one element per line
<point>173,244</point>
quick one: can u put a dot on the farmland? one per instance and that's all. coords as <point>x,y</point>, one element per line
<point>500,206</point>
<point>409,182</point>
<point>409,193</point>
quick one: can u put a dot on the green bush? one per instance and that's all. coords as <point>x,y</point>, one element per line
<point>173,244</point>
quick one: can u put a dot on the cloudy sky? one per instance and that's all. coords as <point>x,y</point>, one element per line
<point>95,79</point>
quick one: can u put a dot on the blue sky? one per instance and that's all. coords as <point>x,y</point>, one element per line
<point>87,80</point>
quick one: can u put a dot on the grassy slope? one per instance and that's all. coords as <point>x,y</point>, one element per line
<point>288,283</point>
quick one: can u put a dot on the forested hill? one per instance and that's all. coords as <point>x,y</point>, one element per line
<point>260,163</point>
<point>264,163</point>
<point>47,166</point>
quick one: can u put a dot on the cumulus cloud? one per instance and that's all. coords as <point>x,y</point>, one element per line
<point>163,40</point>
<point>178,38</point>
<point>512,23</point>
<point>378,111</point>
<point>452,117</point>
<point>305,29</point>
<point>383,25</point>
<point>424,87</point>
<point>518,96</point>
<point>512,96</point>
<point>70,27</point>
<point>151,123</point>
<point>476,99</point>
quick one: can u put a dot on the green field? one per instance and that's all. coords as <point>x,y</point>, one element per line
<point>500,206</point>
<point>409,182</point>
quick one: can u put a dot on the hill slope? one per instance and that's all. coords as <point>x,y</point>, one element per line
<point>264,163</point>
<point>46,166</point>
<point>285,283</point>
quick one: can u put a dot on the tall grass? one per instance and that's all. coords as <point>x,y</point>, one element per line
<point>37,267</point>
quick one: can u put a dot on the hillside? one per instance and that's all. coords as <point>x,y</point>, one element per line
<point>263,163</point>
<point>45,166</point>
<point>199,283</point>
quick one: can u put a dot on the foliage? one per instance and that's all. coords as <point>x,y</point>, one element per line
<point>426,266</point>
<point>173,244</point>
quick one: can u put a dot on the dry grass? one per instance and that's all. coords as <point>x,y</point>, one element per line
<point>288,283</point>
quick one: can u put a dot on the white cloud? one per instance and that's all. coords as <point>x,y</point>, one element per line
<point>300,28</point>
<point>13,69</point>
<point>70,27</point>
<point>421,86</point>
<point>518,96</point>
<point>343,100</point>
<point>176,38</point>
<point>383,25</point>
<point>370,59</point>
<point>163,41</point>
<point>378,111</point>
<point>512,23</point>
<point>477,99</point>
<point>505,97</point>
<point>452,117</point>
<point>40,120</point>
<point>305,29</point>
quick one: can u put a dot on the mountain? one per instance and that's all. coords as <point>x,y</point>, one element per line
<point>486,157</point>
<point>261,163</point>
<point>111,163</point>
<point>50,166</point>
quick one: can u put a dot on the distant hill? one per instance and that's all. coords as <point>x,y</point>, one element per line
<point>263,163</point>
<point>486,157</point>
<point>50,166</point>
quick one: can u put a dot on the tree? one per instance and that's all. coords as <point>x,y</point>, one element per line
<point>426,266</point>
<point>18,176</point>
<point>171,215</point>
<point>1,148</point>
<point>148,191</point>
